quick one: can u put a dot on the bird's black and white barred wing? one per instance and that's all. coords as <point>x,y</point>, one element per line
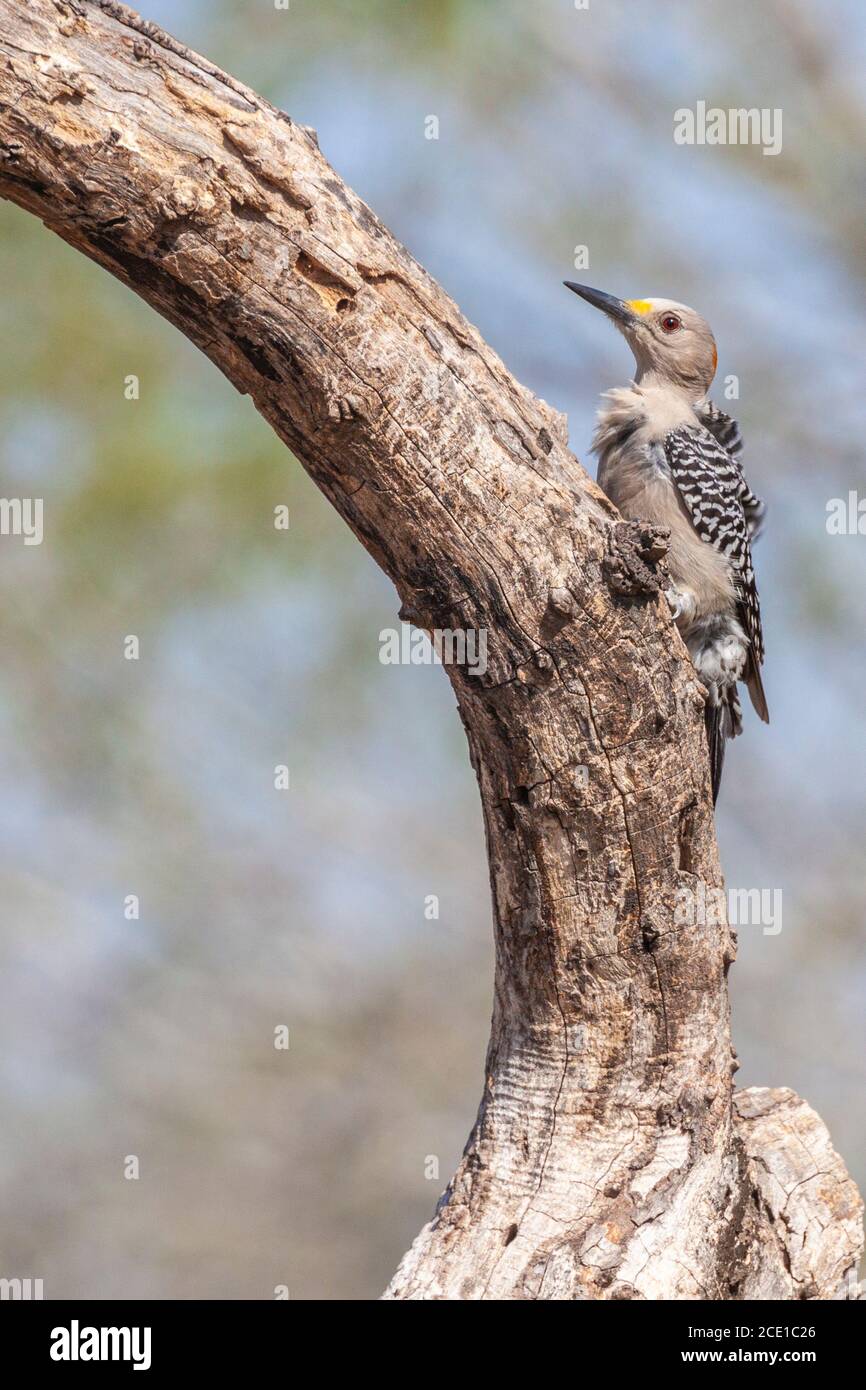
<point>726,431</point>
<point>710,482</point>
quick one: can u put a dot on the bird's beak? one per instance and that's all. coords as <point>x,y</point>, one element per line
<point>616,309</point>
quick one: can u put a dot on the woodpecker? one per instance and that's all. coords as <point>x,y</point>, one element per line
<point>667,455</point>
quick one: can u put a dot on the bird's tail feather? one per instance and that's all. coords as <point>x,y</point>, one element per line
<point>723,719</point>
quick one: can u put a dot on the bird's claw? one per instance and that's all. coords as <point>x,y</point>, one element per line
<point>682,604</point>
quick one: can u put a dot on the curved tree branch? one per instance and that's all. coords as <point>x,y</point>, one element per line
<point>608,1159</point>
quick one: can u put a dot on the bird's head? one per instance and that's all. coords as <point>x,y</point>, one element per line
<point>671,343</point>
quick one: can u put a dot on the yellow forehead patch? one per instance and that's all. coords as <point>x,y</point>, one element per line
<point>639,306</point>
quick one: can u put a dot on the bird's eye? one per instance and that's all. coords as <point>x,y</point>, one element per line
<point>670,323</point>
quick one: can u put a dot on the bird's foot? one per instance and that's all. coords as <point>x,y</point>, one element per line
<point>683,605</point>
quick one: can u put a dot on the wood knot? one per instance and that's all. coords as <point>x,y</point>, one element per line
<point>634,562</point>
<point>562,601</point>
<point>344,408</point>
<point>649,933</point>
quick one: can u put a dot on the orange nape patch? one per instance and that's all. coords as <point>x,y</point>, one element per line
<point>639,306</point>
<point>715,357</point>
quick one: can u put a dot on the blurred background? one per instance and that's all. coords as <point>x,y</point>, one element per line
<point>315,1167</point>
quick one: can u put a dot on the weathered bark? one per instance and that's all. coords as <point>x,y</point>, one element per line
<point>608,1159</point>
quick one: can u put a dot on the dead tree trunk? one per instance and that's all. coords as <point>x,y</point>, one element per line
<point>610,1158</point>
